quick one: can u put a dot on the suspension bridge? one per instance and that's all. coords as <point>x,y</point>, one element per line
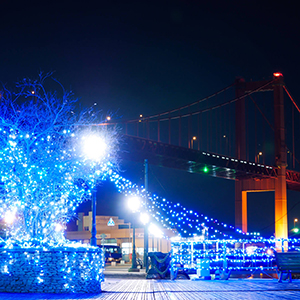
<point>244,132</point>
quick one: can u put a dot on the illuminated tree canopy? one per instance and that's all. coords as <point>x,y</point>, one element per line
<point>44,173</point>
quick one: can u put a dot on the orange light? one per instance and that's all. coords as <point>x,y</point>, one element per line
<point>277,74</point>
<point>32,92</point>
<point>194,138</point>
<point>141,116</point>
<point>108,118</point>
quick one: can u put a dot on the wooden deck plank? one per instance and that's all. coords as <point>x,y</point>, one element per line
<point>180,290</point>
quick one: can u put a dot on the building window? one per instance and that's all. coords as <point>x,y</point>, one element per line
<point>86,228</point>
<point>123,226</point>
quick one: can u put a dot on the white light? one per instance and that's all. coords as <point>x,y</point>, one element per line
<point>154,230</point>
<point>94,147</point>
<point>134,203</point>
<point>144,218</point>
<point>9,217</point>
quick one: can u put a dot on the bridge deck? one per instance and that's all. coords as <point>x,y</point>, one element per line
<point>114,289</point>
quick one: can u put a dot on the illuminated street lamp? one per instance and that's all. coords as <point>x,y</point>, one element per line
<point>295,221</point>
<point>94,148</point>
<point>258,155</point>
<point>226,144</point>
<point>134,204</point>
<point>194,138</point>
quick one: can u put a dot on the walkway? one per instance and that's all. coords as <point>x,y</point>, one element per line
<point>246,289</point>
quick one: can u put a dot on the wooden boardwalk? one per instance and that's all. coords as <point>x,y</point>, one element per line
<point>117,289</point>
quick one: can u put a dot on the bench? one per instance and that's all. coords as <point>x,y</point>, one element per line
<point>287,263</point>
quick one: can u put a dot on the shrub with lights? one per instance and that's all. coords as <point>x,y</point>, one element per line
<point>45,175</point>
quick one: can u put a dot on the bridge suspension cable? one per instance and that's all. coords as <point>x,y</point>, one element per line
<point>200,111</point>
<point>293,101</point>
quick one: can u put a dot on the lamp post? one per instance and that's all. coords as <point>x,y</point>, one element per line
<point>94,149</point>
<point>134,205</point>
<point>258,155</point>
<point>226,144</point>
<point>194,138</point>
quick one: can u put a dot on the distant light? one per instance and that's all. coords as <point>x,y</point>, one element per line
<point>205,170</point>
<point>296,220</point>
<point>260,153</point>
<point>108,118</point>
<point>32,92</point>
<point>194,138</point>
<point>277,74</point>
<point>141,116</point>
<point>224,136</point>
<point>296,230</point>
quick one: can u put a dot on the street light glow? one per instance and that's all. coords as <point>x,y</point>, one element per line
<point>144,217</point>
<point>134,203</point>
<point>154,230</point>
<point>94,147</point>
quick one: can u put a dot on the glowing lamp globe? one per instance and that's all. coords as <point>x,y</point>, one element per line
<point>134,203</point>
<point>94,147</point>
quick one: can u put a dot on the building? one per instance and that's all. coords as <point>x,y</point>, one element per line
<point>114,231</point>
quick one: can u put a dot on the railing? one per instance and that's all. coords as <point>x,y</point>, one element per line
<point>193,256</point>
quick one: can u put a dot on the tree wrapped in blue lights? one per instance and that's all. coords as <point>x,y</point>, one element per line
<point>44,173</point>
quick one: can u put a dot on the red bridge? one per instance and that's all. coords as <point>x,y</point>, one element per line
<point>238,133</point>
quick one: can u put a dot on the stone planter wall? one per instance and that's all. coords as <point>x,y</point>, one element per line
<point>60,270</point>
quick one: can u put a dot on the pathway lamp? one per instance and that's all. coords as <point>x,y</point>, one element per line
<point>258,155</point>
<point>194,138</point>
<point>145,220</point>
<point>134,204</point>
<point>295,221</point>
<point>95,148</point>
<point>226,144</point>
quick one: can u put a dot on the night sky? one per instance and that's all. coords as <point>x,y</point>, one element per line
<point>145,57</point>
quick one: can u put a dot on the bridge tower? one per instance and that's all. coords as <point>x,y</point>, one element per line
<point>244,186</point>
